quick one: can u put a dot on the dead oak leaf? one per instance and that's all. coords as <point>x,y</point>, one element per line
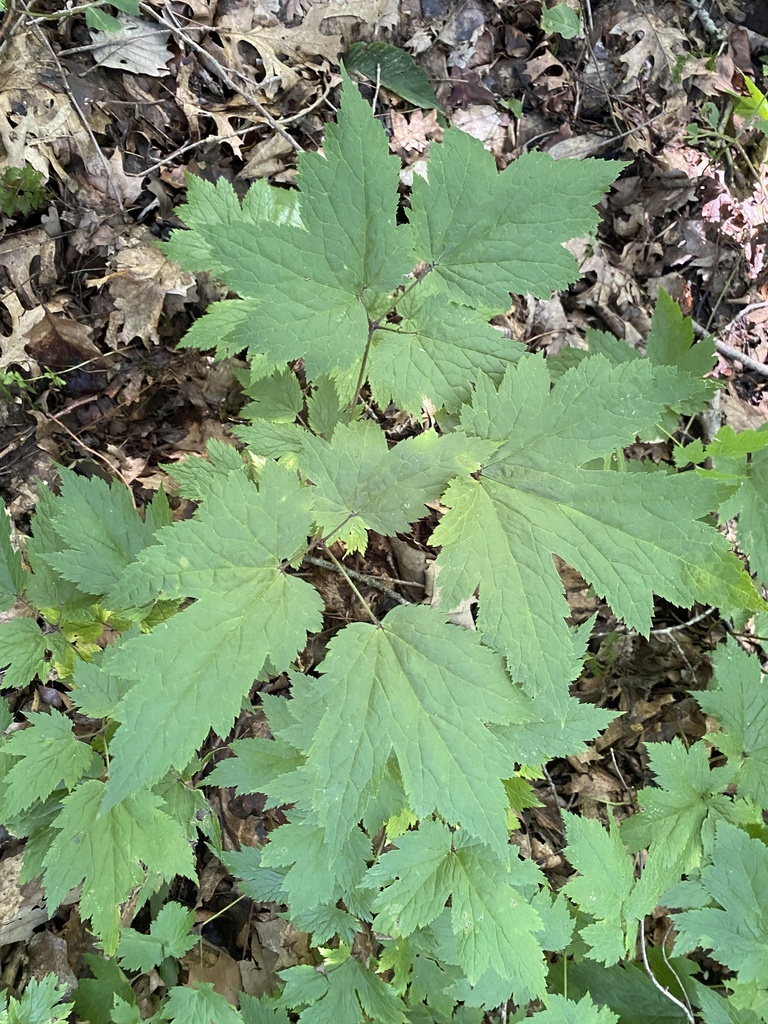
<point>657,47</point>
<point>138,286</point>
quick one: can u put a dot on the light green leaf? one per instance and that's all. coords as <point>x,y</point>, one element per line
<point>323,407</point>
<point>100,531</point>
<point>313,878</point>
<point>41,1003</point>
<point>277,398</point>
<point>630,535</point>
<point>98,690</point>
<point>749,502</point>
<point>565,1011</point>
<point>487,234</point>
<point>258,764</point>
<point>194,475</point>
<point>413,676</point>
<point>737,930</point>
<point>263,885</point>
<point>494,925</point>
<point>169,935</point>
<point>12,574</point>
<point>602,888</point>
<point>393,68</point>
<point>435,353</point>
<point>22,653</point>
<point>107,851</point>
<point>739,701</point>
<point>98,20</point>
<point>248,609</point>
<point>48,755</point>
<point>201,1004</point>
<point>347,992</point>
<point>361,485</point>
<point>320,283</point>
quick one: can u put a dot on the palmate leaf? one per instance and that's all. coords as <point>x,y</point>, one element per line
<point>494,925</point>
<point>343,992</point>
<point>169,935</point>
<point>486,234</point>
<point>189,674</point>
<point>629,534</point>
<point>316,286</point>
<point>107,852</point>
<point>425,691</point>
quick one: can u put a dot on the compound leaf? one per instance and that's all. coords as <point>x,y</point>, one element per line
<point>629,534</point>
<point>48,755</point>
<point>100,531</point>
<point>169,935</point>
<point>493,923</point>
<point>602,888</point>
<point>362,485</point>
<point>737,930</point>
<point>248,610</point>
<point>739,701</point>
<point>413,675</point>
<point>107,851</point>
<point>200,1004</point>
<point>434,354</point>
<point>345,992</point>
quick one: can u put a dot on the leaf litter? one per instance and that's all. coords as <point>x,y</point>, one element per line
<point>84,294</point>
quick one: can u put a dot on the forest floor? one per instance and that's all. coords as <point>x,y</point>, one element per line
<point>91,311</point>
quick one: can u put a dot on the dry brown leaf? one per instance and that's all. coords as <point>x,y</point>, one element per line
<point>138,47</point>
<point>138,286</point>
<point>655,52</point>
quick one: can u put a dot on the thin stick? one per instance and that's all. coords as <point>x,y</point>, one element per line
<point>345,573</point>
<point>657,984</point>
<point>369,581</point>
<point>213,65</point>
<point>76,106</point>
<point>733,353</point>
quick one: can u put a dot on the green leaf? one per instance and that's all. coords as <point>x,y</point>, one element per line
<point>48,755</point>
<point>347,992</point>
<point>22,653</point>
<point>435,353</point>
<point>361,485</point>
<point>323,407</point>
<point>195,475</point>
<point>101,532</point>
<point>493,923</point>
<point>277,398</point>
<point>258,764</point>
<point>737,930</point>
<point>11,571</point>
<point>98,20</point>
<point>749,502</point>
<point>323,281</point>
<point>487,234</point>
<point>98,690</point>
<point>393,68</point>
<point>248,609</point>
<point>560,20</point>
<point>678,818</point>
<point>565,1011</point>
<point>602,888</point>
<point>41,1003</point>
<point>106,852</point>
<point>261,884</point>
<point>670,341</point>
<point>413,676</point>
<point>168,936</point>
<point>630,535</point>
<point>313,878</point>
<point>95,997</point>
<point>199,1005</point>
<point>739,701</point>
